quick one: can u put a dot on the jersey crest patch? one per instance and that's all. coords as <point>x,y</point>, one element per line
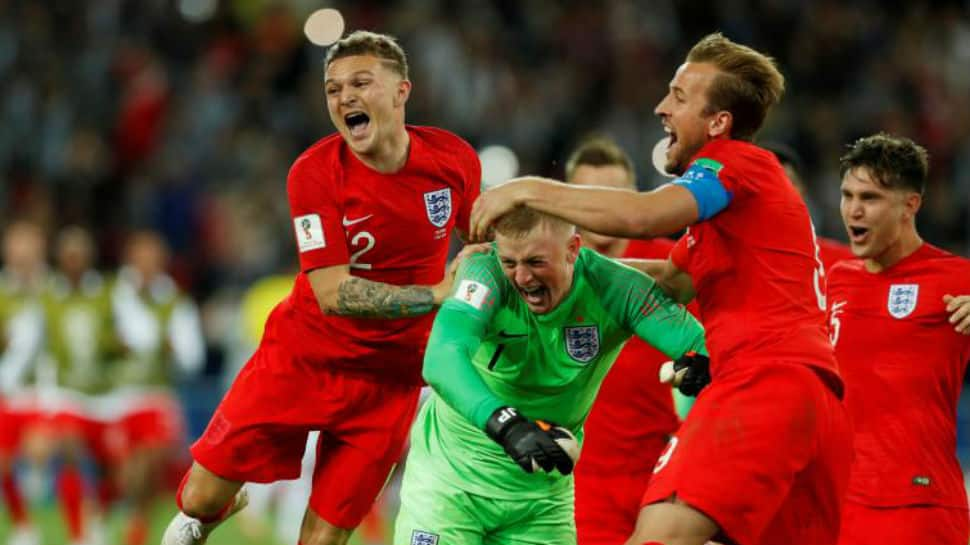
<point>583,342</point>
<point>472,293</point>
<point>438,206</point>
<point>419,537</point>
<point>309,232</point>
<point>902,300</point>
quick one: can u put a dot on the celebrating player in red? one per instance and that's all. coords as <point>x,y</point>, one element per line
<point>763,456</point>
<point>896,319</point>
<point>373,208</point>
<point>618,458</point>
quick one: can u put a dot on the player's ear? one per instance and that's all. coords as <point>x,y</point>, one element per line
<point>912,202</point>
<point>402,93</point>
<point>572,248</point>
<point>720,124</point>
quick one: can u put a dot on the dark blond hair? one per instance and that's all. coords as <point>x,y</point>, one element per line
<point>894,162</point>
<point>522,221</point>
<point>599,151</point>
<point>748,86</point>
<point>362,42</point>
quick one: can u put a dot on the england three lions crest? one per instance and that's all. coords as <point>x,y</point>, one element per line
<point>583,342</point>
<point>438,206</point>
<point>902,300</point>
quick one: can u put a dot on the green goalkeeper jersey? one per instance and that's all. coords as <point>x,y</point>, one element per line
<point>487,350</point>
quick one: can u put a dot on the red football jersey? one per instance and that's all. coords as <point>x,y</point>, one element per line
<point>832,251</point>
<point>391,228</point>
<point>903,366</point>
<point>755,267</point>
<point>633,408</point>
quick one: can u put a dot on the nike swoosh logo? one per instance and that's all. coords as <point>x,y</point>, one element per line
<point>348,223</point>
<point>505,335</point>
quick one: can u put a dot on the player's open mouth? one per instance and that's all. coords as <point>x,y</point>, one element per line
<point>858,234</point>
<point>357,123</point>
<point>534,296</point>
<point>673,136</point>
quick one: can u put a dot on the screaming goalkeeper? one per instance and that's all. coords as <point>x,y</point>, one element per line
<point>515,359</point>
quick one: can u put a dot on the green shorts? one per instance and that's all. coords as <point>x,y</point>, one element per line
<point>434,512</point>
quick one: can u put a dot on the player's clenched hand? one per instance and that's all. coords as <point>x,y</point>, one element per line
<point>495,203</point>
<point>530,445</point>
<point>959,309</point>
<point>690,373</point>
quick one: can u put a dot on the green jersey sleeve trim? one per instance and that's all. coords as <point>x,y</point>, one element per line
<point>641,306</point>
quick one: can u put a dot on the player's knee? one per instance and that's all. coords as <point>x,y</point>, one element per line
<point>200,494</point>
<point>200,502</point>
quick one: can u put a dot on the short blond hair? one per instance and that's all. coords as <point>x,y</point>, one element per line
<point>362,42</point>
<point>748,86</point>
<point>599,151</point>
<point>522,221</point>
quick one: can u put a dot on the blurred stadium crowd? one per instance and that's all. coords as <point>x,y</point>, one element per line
<point>183,116</point>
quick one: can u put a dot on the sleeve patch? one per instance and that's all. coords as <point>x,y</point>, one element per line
<point>472,293</point>
<point>709,164</point>
<point>309,232</point>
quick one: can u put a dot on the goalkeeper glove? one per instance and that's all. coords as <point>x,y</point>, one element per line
<point>690,373</point>
<point>529,443</point>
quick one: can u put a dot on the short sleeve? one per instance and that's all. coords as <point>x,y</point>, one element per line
<point>320,240</point>
<point>472,173</point>
<point>477,288</point>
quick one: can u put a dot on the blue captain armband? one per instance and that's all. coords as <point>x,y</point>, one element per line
<point>702,181</point>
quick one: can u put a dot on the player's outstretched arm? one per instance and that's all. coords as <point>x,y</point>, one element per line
<point>341,294</point>
<point>612,212</point>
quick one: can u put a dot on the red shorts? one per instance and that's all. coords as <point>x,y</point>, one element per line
<point>608,500</point>
<point>153,420</point>
<point>103,441</point>
<point>865,525</point>
<point>15,419</point>
<point>607,506</point>
<point>259,431</point>
<point>765,453</point>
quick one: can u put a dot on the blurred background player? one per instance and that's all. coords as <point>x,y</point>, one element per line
<point>774,475</point>
<point>22,282</point>
<point>80,346</point>
<point>524,343</point>
<point>830,250</point>
<point>634,414</point>
<point>373,208</point>
<point>899,319</point>
<point>159,327</point>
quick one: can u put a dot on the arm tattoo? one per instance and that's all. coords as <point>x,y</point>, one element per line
<point>364,298</point>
